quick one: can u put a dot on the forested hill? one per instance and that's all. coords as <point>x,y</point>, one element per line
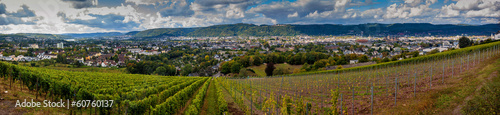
<point>371,29</point>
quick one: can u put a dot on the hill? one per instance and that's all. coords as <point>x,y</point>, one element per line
<point>370,29</point>
<point>88,35</point>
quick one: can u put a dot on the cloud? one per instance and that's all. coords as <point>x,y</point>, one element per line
<point>280,11</point>
<point>293,15</point>
<point>22,16</point>
<point>260,21</point>
<point>78,4</point>
<point>61,16</point>
<point>109,21</point>
<point>24,12</point>
<point>2,8</point>
<point>146,2</point>
<point>447,11</point>
<point>177,8</point>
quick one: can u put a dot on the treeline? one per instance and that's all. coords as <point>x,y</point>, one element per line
<point>373,29</point>
<point>309,60</point>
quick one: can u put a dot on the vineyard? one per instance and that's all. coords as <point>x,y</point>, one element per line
<point>131,93</point>
<point>359,90</point>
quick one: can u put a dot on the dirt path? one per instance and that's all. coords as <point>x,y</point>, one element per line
<point>457,110</point>
<point>232,108</point>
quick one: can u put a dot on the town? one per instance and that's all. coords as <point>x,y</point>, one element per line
<point>119,51</point>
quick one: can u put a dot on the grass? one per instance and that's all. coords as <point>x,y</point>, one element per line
<point>260,70</point>
<point>450,98</point>
<point>210,106</point>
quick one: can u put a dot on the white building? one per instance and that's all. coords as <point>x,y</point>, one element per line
<point>497,36</point>
<point>60,45</point>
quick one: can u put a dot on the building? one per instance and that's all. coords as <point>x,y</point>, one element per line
<point>497,36</point>
<point>34,46</point>
<point>60,45</point>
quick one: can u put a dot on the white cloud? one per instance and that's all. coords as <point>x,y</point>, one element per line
<point>447,11</point>
<point>260,20</point>
<point>293,15</point>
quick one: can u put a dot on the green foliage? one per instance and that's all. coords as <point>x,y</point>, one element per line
<point>281,71</point>
<point>241,29</point>
<point>363,58</point>
<point>464,42</point>
<point>221,101</point>
<point>434,51</point>
<point>235,67</point>
<point>257,61</point>
<point>269,69</point>
<point>286,106</point>
<point>160,71</point>
<point>487,101</point>
<point>197,102</point>
<point>246,72</point>
<point>186,70</point>
<point>225,67</point>
<point>163,32</point>
<point>320,64</point>
<point>334,100</point>
<point>306,67</point>
<point>269,103</point>
<point>140,93</point>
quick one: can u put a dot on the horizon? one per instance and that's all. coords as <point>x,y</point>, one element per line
<point>124,32</point>
<point>92,16</point>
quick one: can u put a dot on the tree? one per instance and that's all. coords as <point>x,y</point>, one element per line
<point>186,70</point>
<point>160,71</point>
<point>415,53</point>
<point>386,59</point>
<point>270,68</point>
<point>363,58</point>
<point>257,61</point>
<point>235,67</point>
<point>320,63</point>
<point>78,64</point>
<point>245,61</point>
<point>305,67</point>
<point>464,42</point>
<point>225,67</point>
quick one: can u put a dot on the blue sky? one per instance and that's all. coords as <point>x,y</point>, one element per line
<point>85,16</point>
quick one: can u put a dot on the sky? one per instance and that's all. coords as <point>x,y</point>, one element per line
<point>89,16</point>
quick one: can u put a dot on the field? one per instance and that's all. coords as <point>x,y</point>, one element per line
<point>260,70</point>
<point>359,90</point>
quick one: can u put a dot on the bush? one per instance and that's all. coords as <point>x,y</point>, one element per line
<point>280,71</point>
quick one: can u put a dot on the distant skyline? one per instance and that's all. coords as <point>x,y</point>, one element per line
<point>88,16</point>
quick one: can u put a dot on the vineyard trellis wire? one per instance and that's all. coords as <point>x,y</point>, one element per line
<point>364,88</point>
<point>132,93</point>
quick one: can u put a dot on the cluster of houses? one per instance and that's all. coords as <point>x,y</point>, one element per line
<point>18,58</point>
